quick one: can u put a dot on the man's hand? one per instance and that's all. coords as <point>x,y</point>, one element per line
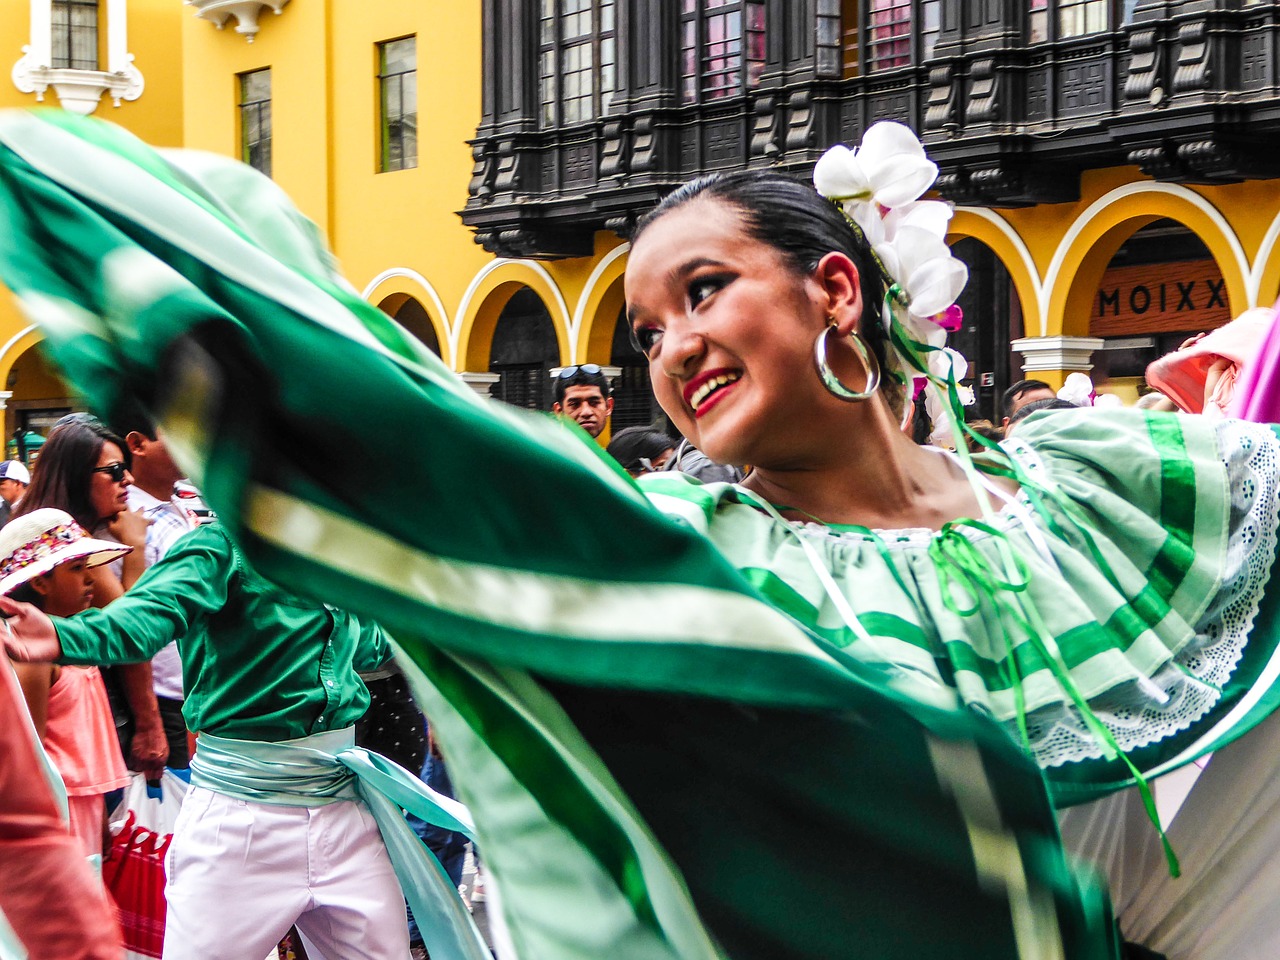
<point>27,633</point>
<point>148,750</point>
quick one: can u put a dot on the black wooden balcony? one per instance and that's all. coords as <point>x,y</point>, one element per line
<point>1188,90</point>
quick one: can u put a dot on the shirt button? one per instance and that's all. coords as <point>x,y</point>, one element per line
<point>328,683</point>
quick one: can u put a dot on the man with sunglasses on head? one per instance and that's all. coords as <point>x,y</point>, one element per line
<point>583,395</point>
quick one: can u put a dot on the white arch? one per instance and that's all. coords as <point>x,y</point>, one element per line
<point>417,278</point>
<point>1128,190</point>
<point>455,332</point>
<point>580,311</point>
<point>1024,254</point>
<point>1265,250</point>
<point>13,342</point>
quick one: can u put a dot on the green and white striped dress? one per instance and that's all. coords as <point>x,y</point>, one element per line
<point>1153,603</point>
<point>669,742</point>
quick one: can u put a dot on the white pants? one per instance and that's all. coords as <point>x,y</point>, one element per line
<point>240,874</point>
<point>1226,904</point>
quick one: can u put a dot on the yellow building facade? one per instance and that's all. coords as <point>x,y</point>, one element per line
<point>397,232</point>
<point>129,72</point>
<point>402,244</point>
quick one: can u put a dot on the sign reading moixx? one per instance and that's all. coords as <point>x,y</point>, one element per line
<point>1186,295</point>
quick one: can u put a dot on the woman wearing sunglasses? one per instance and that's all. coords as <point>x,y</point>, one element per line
<point>83,469</point>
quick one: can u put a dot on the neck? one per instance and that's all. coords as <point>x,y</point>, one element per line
<point>876,477</point>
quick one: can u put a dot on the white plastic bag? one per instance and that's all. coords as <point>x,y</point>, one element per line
<point>142,828</point>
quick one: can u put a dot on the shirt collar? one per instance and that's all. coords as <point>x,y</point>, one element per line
<point>139,499</point>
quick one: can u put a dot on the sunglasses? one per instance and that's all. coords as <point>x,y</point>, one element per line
<point>590,369</point>
<point>115,471</point>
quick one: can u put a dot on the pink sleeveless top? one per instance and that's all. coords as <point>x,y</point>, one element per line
<point>80,735</point>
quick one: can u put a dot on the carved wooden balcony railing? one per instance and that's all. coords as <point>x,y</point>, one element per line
<point>1188,91</point>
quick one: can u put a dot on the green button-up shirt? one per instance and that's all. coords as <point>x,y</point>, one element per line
<point>257,663</point>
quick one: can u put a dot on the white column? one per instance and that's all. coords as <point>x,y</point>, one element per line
<point>29,72</point>
<point>41,49</point>
<point>481,383</point>
<point>126,81</point>
<point>117,36</point>
<point>1057,353</point>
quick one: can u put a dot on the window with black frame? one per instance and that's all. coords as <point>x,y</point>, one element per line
<point>398,98</point>
<point>255,119</point>
<point>1064,19</point>
<point>74,37</point>
<point>721,48</point>
<point>901,32</point>
<point>577,60</point>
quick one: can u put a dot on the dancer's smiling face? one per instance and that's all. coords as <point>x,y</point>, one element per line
<point>728,325</point>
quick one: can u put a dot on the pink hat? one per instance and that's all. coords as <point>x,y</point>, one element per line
<point>35,543</point>
<point>1181,375</point>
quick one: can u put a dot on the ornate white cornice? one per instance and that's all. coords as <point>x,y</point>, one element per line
<point>246,13</point>
<point>79,91</point>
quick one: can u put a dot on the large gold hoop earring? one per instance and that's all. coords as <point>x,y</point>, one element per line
<point>828,376</point>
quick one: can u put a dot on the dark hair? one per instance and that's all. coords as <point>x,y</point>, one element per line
<point>26,593</point>
<point>1035,406</point>
<point>794,219</point>
<point>629,445</point>
<point>131,418</point>
<point>63,472</point>
<point>1010,396</point>
<point>580,378</point>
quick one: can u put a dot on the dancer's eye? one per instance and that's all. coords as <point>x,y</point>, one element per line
<point>646,339</point>
<point>703,287</point>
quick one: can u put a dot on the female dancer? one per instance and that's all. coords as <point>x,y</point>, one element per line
<point>1120,645</point>
<point>757,725</point>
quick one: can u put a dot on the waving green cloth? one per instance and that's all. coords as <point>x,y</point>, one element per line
<point>661,762</point>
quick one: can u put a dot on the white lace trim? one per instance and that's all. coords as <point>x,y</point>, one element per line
<point>1193,682</point>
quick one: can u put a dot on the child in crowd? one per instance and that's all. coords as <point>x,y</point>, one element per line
<point>45,559</point>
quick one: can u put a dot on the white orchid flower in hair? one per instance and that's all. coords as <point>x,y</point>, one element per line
<point>932,216</point>
<point>946,363</point>
<point>889,168</point>
<point>942,434</point>
<point>929,277</point>
<point>878,185</point>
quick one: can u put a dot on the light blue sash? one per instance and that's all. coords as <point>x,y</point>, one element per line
<point>11,947</point>
<point>327,767</point>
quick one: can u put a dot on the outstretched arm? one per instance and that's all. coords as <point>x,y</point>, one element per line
<point>189,583</point>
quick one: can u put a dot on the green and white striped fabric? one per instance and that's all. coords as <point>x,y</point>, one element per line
<point>661,763</point>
